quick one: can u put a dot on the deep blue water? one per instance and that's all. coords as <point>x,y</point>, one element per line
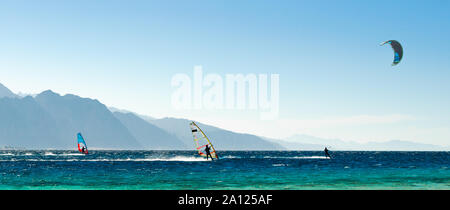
<point>235,170</point>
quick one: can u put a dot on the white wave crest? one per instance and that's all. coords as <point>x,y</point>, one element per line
<point>310,157</point>
<point>176,158</point>
<point>279,165</point>
<point>229,157</point>
<point>72,154</point>
<point>296,157</point>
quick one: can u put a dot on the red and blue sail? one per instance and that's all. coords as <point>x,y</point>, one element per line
<point>82,144</point>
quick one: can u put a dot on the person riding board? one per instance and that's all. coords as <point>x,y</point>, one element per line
<point>208,153</point>
<point>326,153</point>
<point>83,150</point>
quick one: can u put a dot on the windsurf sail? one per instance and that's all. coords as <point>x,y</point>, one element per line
<point>201,140</point>
<point>82,144</point>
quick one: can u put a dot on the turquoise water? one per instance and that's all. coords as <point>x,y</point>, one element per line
<point>236,170</point>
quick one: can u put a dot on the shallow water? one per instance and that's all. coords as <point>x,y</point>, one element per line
<point>235,170</point>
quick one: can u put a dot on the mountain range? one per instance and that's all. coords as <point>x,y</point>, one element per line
<point>305,142</point>
<point>222,138</point>
<point>51,121</point>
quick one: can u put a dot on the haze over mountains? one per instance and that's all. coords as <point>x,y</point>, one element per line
<point>148,135</point>
<point>51,121</point>
<point>222,138</point>
<point>305,142</point>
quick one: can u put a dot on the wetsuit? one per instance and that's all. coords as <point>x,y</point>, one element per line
<point>326,153</point>
<point>208,153</point>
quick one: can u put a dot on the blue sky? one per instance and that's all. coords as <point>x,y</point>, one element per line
<point>335,79</point>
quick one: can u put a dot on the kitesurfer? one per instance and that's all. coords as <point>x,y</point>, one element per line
<point>208,153</point>
<point>326,153</point>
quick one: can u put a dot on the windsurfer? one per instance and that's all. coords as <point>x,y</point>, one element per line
<point>82,147</point>
<point>326,153</point>
<point>208,153</point>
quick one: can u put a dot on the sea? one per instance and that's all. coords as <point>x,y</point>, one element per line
<point>235,170</point>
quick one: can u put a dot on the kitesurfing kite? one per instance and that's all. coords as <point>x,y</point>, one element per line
<point>398,50</point>
<point>202,141</point>
<point>82,147</point>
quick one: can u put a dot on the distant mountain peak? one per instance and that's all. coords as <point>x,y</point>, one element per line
<point>305,142</point>
<point>114,109</point>
<point>5,92</point>
<point>48,93</point>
